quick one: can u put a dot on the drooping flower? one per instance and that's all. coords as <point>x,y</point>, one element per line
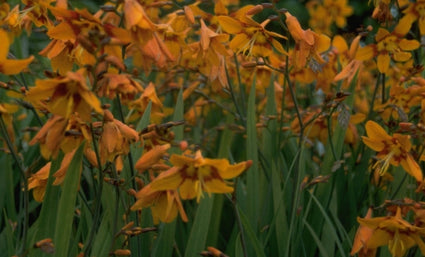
<point>111,84</point>
<point>151,157</point>
<point>308,44</point>
<point>6,112</point>
<point>164,204</point>
<point>138,106</point>
<point>65,95</point>
<point>38,181</point>
<point>115,138</point>
<point>193,175</point>
<point>81,38</point>
<point>394,150</point>
<point>361,238</point>
<point>61,133</point>
<point>395,232</point>
<point>148,47</point>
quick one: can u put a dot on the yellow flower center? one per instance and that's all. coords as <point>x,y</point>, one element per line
<point>389,44</point>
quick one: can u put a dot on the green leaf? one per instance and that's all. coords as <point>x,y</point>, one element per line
<point>163,246</point>
<point>7,201</point>
<point>199,232</point>
<point>66,208</point>
<point>249,232</point>
<point>145,120</point>
<point>47,219</point>
<point>316,239</point>
<point>252,174</point>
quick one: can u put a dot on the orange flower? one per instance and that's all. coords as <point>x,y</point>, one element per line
<point>35,11</point>
<point>115,139</point>
<point>6,113</point>
<point>388,46</point>
<point>9,66</point>
<point>251,37</point>
<point>79,38</point>
<point>148,48</point>
<point>361,238</point>
<point>151,157</point>
<point>164,204</point>
<point>308,44</point>
<point>195,175</point>
<point>394,150</point>
<point>400,101</point>
<point>139,105</point>
<point>60,133</point>
<point>414,12</point>
<point>395,232</point>
<point>324,13</point>
<point>112,84</point>
<point>65,95</point>
<point>210,53</point>
<point>38,181</point>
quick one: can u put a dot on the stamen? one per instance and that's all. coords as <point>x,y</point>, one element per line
<point>384,163</point>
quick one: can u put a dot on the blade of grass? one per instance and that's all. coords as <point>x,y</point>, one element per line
<point>102,242</point>
<point>256,244</point>
<point>7,201</point>
<point>7,237</point>
<point>163,246</point>
<point>66,208</point>
<point>330,232</point>
<point>199,232</point>
<point>145,120</point>
<point>316,239</point>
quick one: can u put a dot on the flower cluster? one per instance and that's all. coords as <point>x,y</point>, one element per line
<point>147,88</point>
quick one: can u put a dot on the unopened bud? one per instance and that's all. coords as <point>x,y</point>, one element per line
<point>267,5</point>
<point>183,145</point>
<point>282,10</point>
<point>108,8</point>
<point>254,10</point>
<point>122,252</point>
<point>273,18</point>
<point>249,64</point>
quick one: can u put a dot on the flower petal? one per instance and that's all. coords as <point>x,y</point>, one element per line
<point>383,62</point>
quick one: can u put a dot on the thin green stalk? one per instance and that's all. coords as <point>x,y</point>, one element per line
<point>131,164</point>
<point>383,88</point>
<point>399,186</point>
<point>330,135</point>
<point>235,102</point>
<point>117,206</point>
<point>25,223</point>
<point>372,104</point>
<point>97,211</point>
